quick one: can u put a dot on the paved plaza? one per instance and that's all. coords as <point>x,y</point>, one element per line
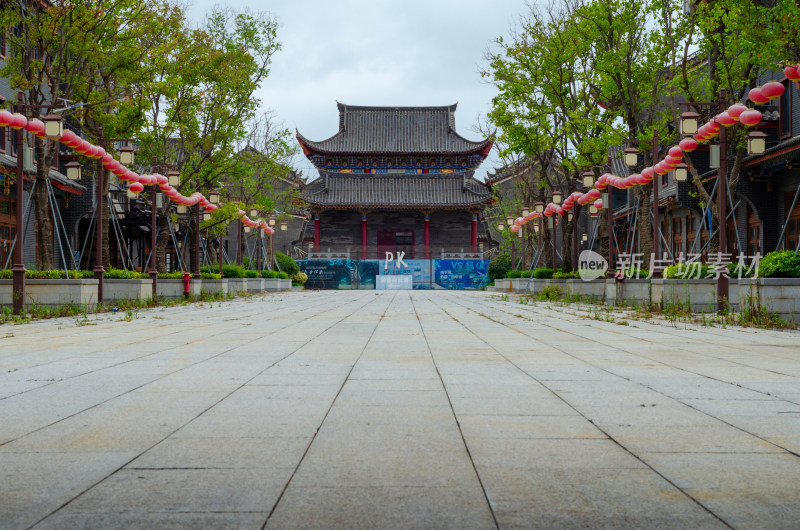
<point>424,409</point>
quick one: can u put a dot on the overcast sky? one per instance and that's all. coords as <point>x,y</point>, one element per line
<point>378,52</point>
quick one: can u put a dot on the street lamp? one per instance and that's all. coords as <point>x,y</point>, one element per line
<point>588,178</point>
<point>213,197</point>
<point>272,220</point>
<point>631,156</point>
<point>73,170</point>
<point>539,207</point>
<point>173,176</point>
<point>284,226</point>
<point>53,126</point>
<point>689,123</point>
<point>501,227</point>
<point>756,143</point>
<point>253,213</point>
<point>557,197</point>
<point>126,155</point>
<point>681,172</point>
<point>525,211</point>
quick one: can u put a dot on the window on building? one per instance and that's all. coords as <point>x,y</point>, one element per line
<point>785,119</point>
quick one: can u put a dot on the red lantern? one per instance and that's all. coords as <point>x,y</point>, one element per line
<point>660,168</point>
<point>598,204</point>
<point>647,174</point>
<point>34,127</point>
<point>688,145</point>
<point>83,147</point>
<point>5,118</point>
<point>791,73</point>
<point>725,119</point>
<point>750,117</point>
<point>757,97</point>
<point>676,152</point>
<point>136,188</point>
<point>735,110</point>
<point>773,90</point>
<point>18,121</point>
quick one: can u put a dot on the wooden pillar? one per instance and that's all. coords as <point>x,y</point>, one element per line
<point>427,236</point>
<point>316,232</point>
<point>474,233</point>
<point>363,235</point>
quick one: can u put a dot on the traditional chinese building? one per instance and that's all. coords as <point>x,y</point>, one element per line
<point>397,179</point>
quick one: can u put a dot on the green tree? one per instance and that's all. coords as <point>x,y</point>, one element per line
<point>198,108</point>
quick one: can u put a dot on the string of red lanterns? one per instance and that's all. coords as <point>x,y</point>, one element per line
<point>138,182</point>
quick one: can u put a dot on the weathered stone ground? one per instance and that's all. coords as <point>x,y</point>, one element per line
<point>395,409</point>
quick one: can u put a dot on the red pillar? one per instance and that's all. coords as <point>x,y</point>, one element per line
<point>316,233</point>
<point>363,236</point>
<point>427,236</point>
<point>474,233</point>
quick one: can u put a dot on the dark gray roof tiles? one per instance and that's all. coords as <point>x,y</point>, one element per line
<point>358,190</point>
<point>389,130</point>
<point>11,162</point>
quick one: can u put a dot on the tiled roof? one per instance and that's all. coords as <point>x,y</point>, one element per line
<point>390,130</point>
<point>356,190</point>
<point>59,178</point>
<point>618,167</point>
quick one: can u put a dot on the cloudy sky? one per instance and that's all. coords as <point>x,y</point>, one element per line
<point>378,52</point>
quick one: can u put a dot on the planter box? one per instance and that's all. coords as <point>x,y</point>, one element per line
<point>115,289</point>
<point>781,296</point>
<point>273,285</point>
<point>255,285</point>
<point>699,295</point>
<point>594,289</point>
<point>52,292</point>
<point>633,292</point>
<point>170,288</point>
<point>215,286</point>
<point>503,285</point>
<point>237,286</point>
<point>286,285</point>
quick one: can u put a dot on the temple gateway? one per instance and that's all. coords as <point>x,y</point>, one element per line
<point>396,179</point>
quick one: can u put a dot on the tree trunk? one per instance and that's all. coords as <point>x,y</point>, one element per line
<point>162,239</point>
<point>645,224</point>
<point>106,220</point>
<point>566,244</point>
<point>43,228</point>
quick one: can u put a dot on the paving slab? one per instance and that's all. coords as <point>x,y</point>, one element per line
<point>424,409</point>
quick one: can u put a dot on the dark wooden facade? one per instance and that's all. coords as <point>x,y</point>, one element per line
<point>396,179</point>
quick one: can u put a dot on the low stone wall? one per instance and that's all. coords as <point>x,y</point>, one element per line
<point>215,286</point>
<point>255,285</point>
<point>237,285</point>
<point>116,289</point>
<point>780,295</point>
<point>776,295</point>
<point>52,292</point>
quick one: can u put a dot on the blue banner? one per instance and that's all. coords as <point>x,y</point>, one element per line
<point>461,273</point>
<point>352,274</point>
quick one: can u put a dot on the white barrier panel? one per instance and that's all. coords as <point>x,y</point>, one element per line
<point>385,282</point>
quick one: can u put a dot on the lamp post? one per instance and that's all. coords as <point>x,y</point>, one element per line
<point>755,145</point>
<point>631,156</point>
<point>53,128</point>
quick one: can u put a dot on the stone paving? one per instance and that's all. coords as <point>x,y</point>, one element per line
<point>426,409</point>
